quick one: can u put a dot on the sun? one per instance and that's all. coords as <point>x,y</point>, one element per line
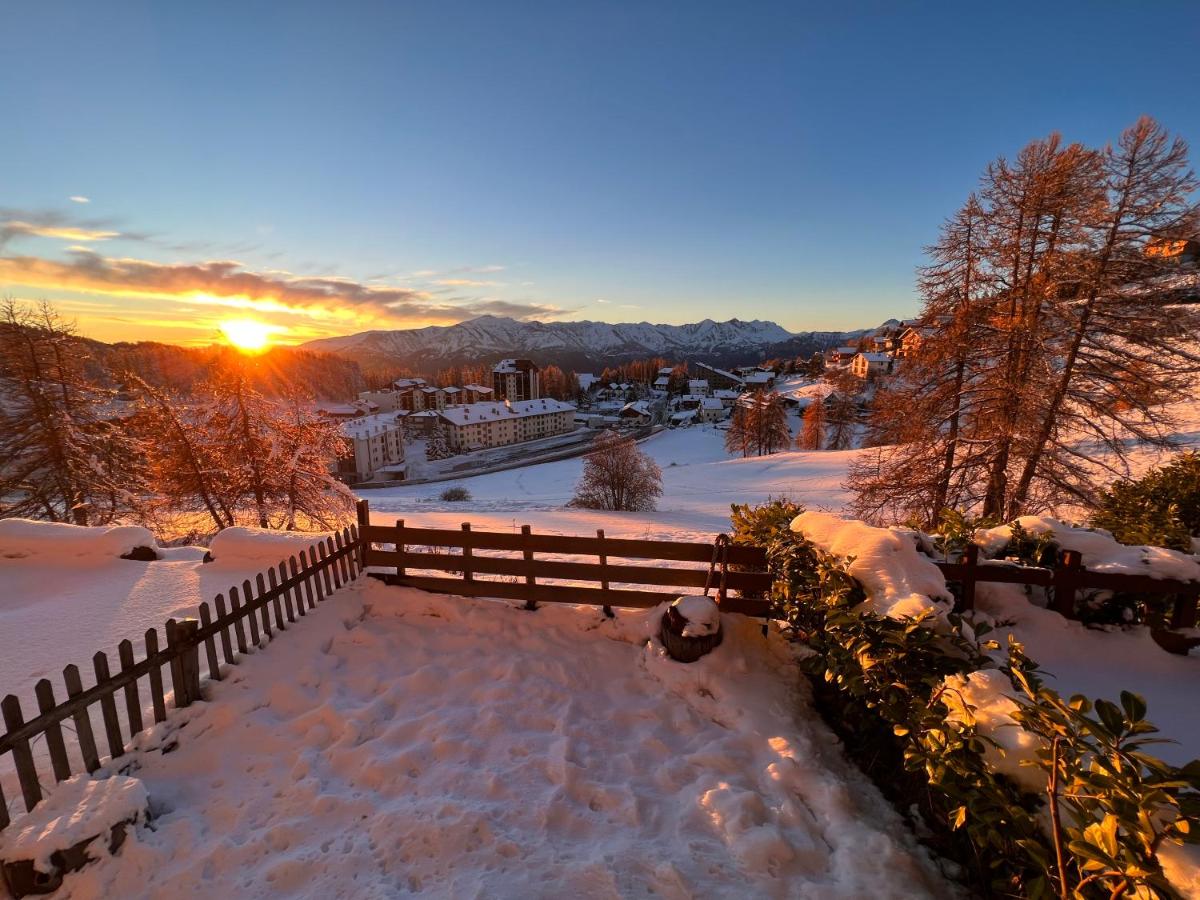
<point>248,335</point>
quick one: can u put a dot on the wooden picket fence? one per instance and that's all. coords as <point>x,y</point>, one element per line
<point>254,614</point>
<point>509,565</point>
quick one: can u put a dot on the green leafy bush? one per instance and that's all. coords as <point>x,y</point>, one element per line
<point>455,495</point>
<point>1161,508</point>
<point>886,686</point>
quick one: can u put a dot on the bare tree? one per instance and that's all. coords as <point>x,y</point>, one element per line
<point>617,475</point>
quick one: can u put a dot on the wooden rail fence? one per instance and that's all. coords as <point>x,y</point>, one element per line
<point>1067,580</point>
<point>255,612</point>
<point>468,562</point>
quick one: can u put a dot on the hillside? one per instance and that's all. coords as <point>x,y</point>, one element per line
<point>576,345</point>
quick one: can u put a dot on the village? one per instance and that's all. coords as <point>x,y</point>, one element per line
<point>393,433</point>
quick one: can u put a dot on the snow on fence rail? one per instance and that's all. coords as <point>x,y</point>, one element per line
<point>1067,579</point>
<point>288,590</point>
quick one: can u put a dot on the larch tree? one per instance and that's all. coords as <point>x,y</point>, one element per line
<point>64,450</point>
<point>812,432</point>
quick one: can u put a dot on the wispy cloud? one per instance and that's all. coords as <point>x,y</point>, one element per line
<point>24,223</point>
<point>79,198</point>
<point>230,284</point>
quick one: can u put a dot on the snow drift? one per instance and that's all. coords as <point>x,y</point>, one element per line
<point>25,537</point>
<point>260,547</point>
<point>898,579</point>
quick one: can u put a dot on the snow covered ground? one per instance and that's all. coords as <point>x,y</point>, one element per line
<point>397,742</point>
<point>700,481</point>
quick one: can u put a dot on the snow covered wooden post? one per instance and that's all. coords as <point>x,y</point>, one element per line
<point>690,628</point>
<point>185,664</point>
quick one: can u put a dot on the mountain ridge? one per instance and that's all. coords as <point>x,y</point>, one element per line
<point>581,345</point>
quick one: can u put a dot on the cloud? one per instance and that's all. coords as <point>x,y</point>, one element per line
<point>19,223</point>
<point>79,198</point>
<point>230,284</point>
<point>466,282</point>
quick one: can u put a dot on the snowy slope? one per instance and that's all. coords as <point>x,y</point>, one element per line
<point>399,742</point>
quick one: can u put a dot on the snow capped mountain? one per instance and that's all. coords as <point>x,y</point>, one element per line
<point>575,344</point>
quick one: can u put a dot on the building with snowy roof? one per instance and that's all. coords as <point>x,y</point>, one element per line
<point>864,365</point>
<point>476,426</point>
<point>374,443</point>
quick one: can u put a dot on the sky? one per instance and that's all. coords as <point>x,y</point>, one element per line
<point>325,168</point>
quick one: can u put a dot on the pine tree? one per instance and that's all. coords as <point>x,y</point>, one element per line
<point>436,445</point>
<point>738,439</point>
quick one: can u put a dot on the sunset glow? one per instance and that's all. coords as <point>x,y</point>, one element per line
<point>248,335</point>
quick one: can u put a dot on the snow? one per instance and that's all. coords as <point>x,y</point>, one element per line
<point>79,808</point>
<point>21,538</point>
<point>1100,552</point>
<point>259,548</point>
<point>701,613</point>
<point>898,580</point>
<point>511,754</point>
<point>988,694</point>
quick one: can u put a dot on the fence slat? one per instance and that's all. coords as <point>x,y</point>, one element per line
<point>263,604</point>
<point>316,568</point>
<point>133,702</point>
<point>22,756</point>
<point>83,721</point>
<point>251,612</point>
<point>4,819</point>
<point>306,583</point>
<point>327,574</point>
<point>44,692</point>
<point>970,573</point>
<point>108,707</point>
<point>400,545</point>
<point>157,696</point>
<point>238,612</point>
<point>603,560</point>
<point>276,604</point>
<point>527,564</point>
<point>352,559</point>
<point>298,593</point>
<point>222,612</point>
<point>288,609</point>
<point>210,646</point>
<point>1066,581</point>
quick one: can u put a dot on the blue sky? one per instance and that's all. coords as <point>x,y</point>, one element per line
<point>331,167</point>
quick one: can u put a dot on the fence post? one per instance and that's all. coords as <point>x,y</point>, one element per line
<point>22,756</point>
<point>1066,583</point>
<point>970,561</point>
<point>363,510</point>
<point>1184,614</point>
<point>185,662</point>
<point>400,571</point>
<point>527,555</point>
<point>603,570</point>
<point>466,554</point>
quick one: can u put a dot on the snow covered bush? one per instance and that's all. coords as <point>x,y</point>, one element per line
<point>617,475</point>
<point>455,494</point>
<point>26,537</point>
<point>1073,805</point>
<point>1161,508</point>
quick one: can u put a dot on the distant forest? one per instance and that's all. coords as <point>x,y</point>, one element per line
<point>321,375</point>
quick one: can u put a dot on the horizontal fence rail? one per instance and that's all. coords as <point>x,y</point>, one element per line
<point>460,557</point>
<point>247,615</point>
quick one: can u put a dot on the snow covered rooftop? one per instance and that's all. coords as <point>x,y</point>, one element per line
<point>711,403</point>
<point>493,411</point>
<point>509,366</point>
<point>369,425</point>
<point>875,357</point>
<point>477,388</point>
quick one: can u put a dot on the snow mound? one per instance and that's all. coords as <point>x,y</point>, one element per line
<point>1101,552</point>
<point>26,537</point>
<point>702,614</point>
<point>260,546</point>
<point>80,808</point>
<point>899,580</point>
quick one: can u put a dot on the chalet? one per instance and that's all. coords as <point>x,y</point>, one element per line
<point>760,379</point>
<point>662,383</point>
<point>843,355</point>
<point>341,410</point>
<point>911,339</point>
<point>865,365</point>
<point>711,410</point>
<point>636,413</point>
<point>698,387</point>
<point>719,378</point>
<point>726,396</point>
